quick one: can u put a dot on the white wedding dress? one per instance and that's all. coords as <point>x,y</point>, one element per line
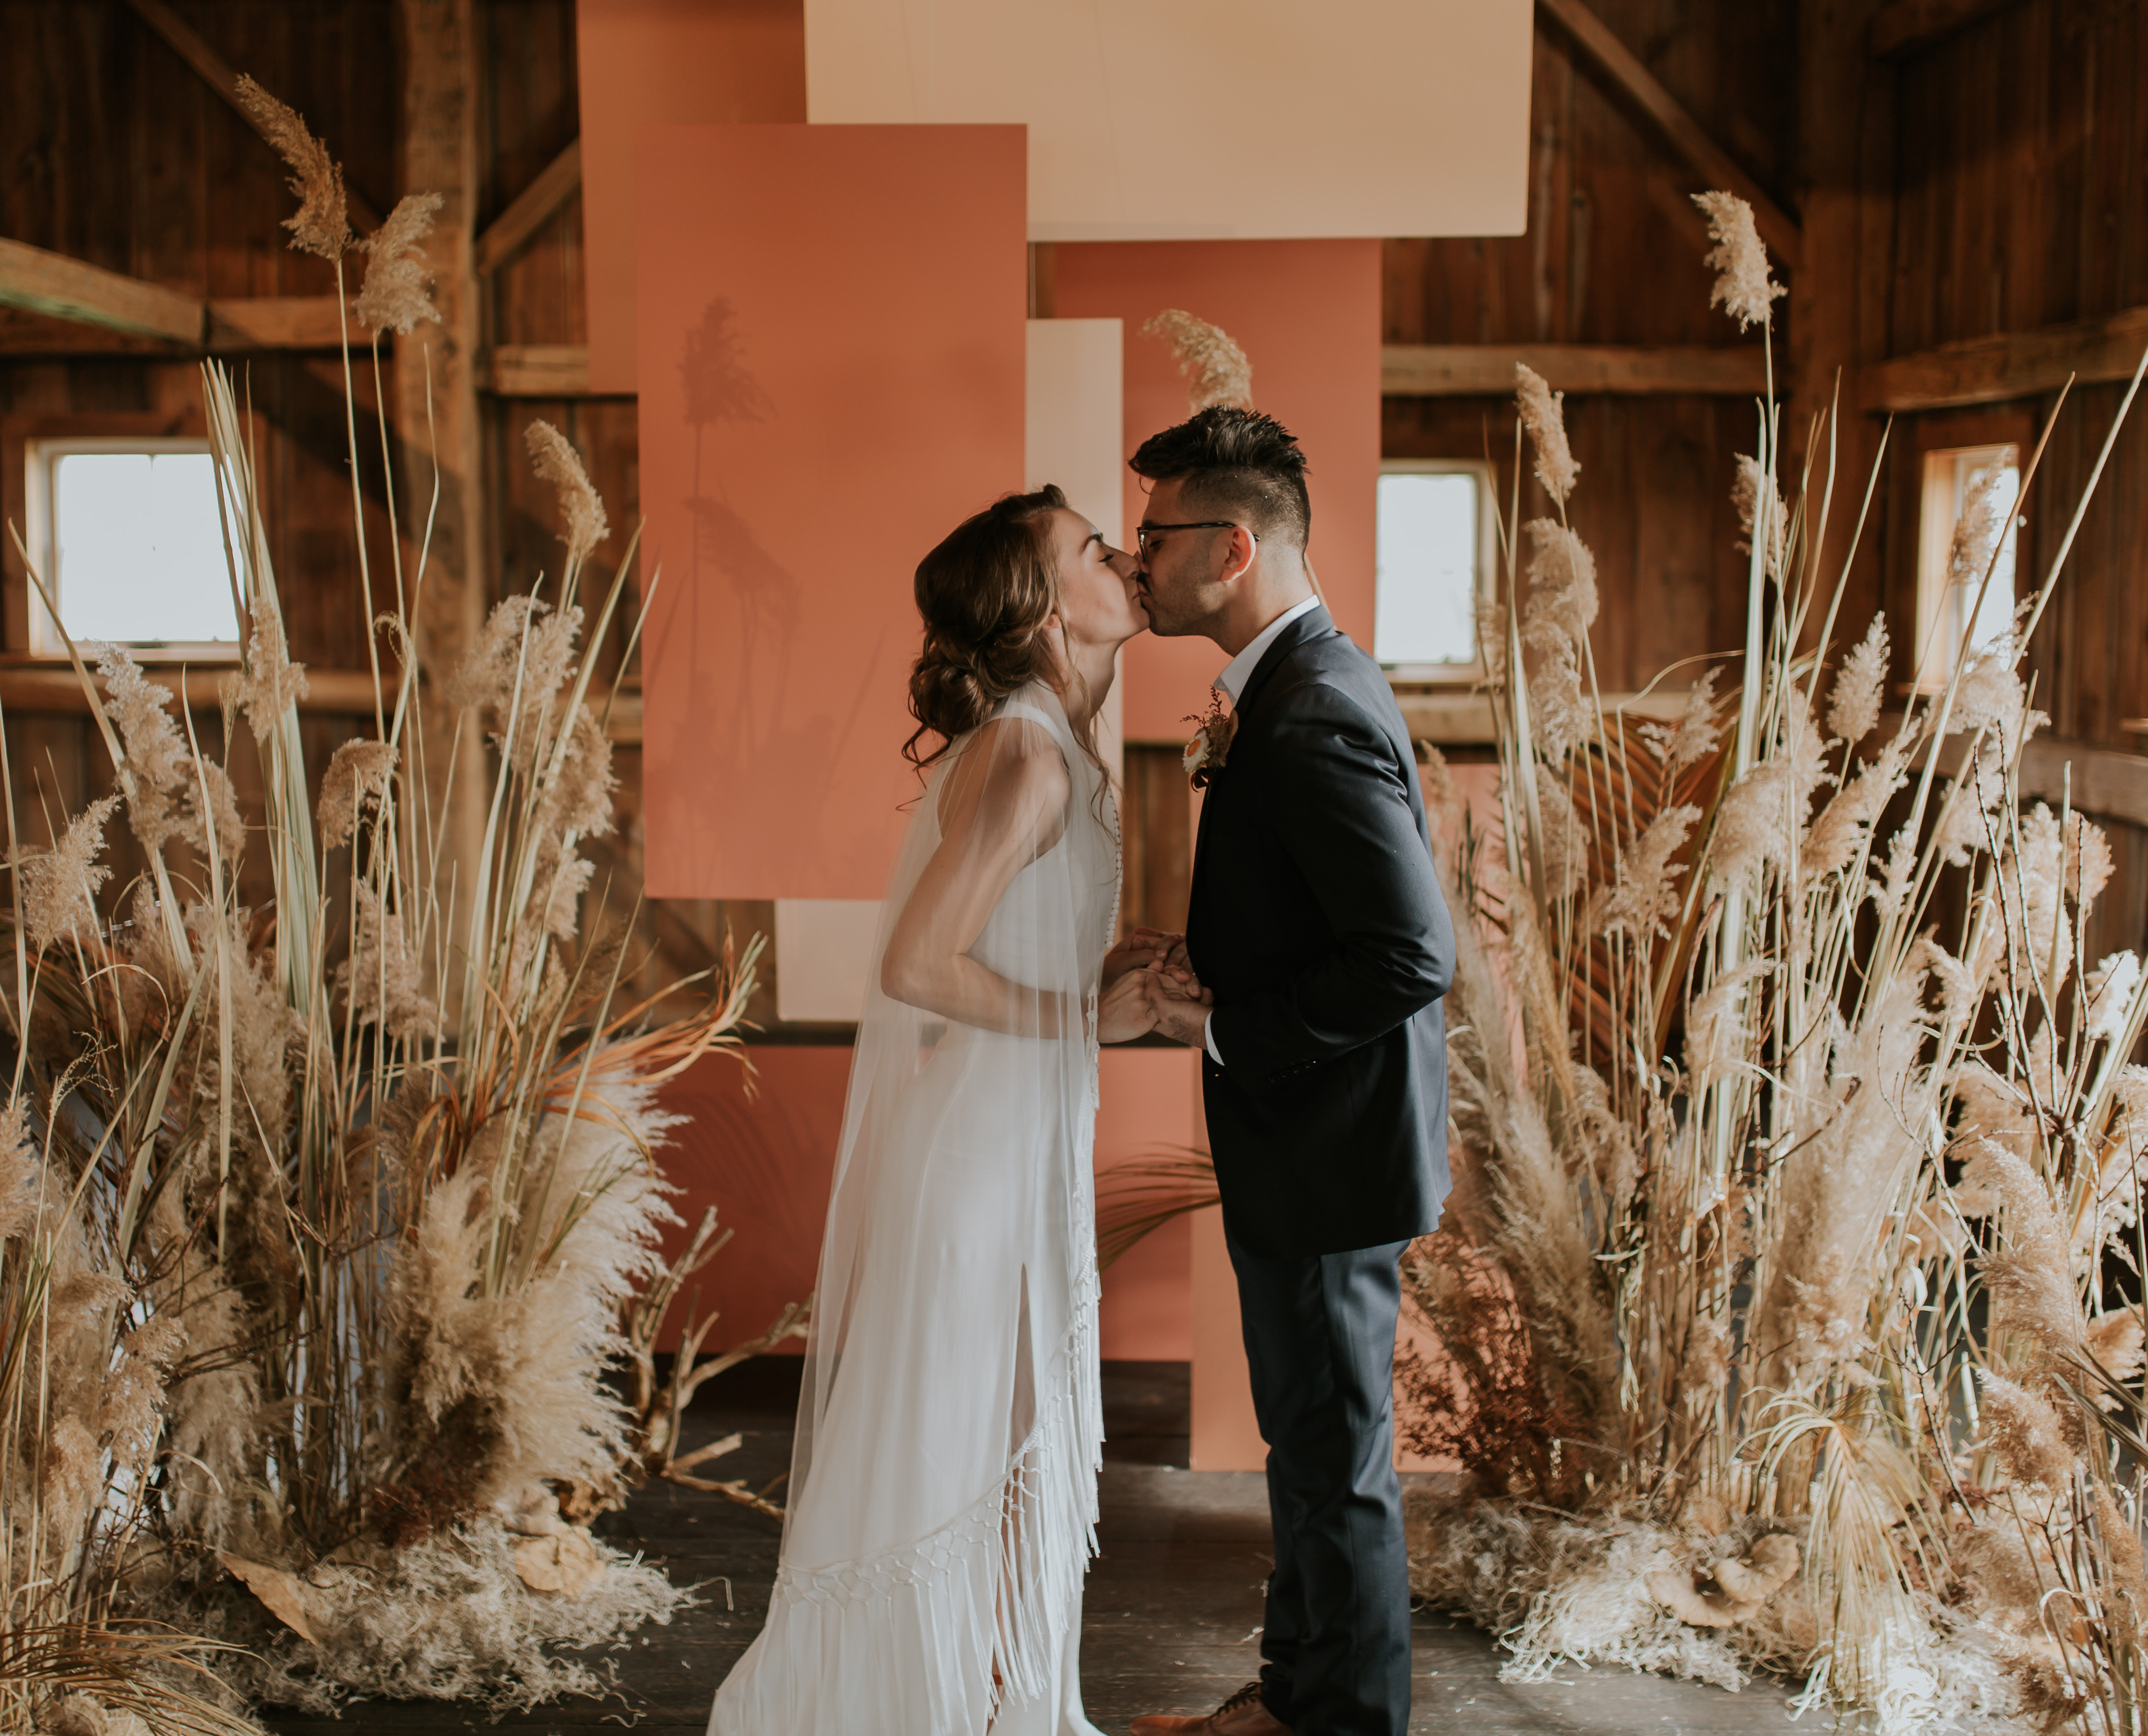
<point>942,1497</point>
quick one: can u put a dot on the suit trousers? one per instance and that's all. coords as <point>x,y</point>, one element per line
<point>1320,1346</point>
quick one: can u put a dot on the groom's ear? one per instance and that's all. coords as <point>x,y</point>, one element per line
<point>1241,550</point>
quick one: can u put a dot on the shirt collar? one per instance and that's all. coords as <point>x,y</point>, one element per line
<point>1240,669</point>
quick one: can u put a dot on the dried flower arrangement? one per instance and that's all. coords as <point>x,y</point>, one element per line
<point>323,1227</point>
<point>1797,1153</point>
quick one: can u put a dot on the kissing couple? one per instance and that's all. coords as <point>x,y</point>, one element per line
<point>943,1492</point>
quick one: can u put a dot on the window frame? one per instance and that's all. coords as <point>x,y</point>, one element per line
<point>40,453</point>
<point>2017,425</point>
<point>1444,675</point>
<point>1939,512</point>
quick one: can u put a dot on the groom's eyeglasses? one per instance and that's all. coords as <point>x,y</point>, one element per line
<point>1145,535</point>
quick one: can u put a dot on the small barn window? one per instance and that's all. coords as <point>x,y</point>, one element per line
<point>127,535</point>
<point>1433,560</point>
<point>1958,480</point>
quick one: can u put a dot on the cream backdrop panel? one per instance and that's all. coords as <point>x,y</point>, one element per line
<point>1073,434</point>
<point>1190,119</point>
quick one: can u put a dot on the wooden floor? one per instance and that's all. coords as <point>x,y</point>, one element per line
<point>1170,1614</point>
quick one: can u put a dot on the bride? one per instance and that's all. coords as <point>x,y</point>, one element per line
<point>943,1487</point>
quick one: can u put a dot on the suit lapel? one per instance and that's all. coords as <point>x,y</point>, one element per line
<point>1315,623</point>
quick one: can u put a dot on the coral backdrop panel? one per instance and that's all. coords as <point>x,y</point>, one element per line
<point>1307,315</point>
<point>764,1155</point>
<point>1210,118</point>
<point>833,356</point>
<point>1148,1107</point>
<point>649,62</point>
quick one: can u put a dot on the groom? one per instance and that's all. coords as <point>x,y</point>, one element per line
<point>1316,925</point>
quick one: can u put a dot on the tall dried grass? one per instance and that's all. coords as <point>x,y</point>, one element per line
<point>324,1225</point>
<point>1800,1150</point>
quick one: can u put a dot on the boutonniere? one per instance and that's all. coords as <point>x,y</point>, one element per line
<point>1211,745</point>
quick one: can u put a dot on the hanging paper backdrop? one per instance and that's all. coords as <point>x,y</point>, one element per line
<point>648,63</point>
<point>1307,315</point>
<point>831,334</point>
<point>1210,118</point>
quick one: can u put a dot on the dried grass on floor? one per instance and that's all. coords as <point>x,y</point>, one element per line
<point>322,1226</point>
<point>1774,1289</point>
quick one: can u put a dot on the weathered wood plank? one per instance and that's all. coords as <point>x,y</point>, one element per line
<point>1601,45</point>
<point>531,209</point>
<point>232,322</point>
<point>2008,365</point>
<point>1904,26</point>
<point>1476,370</point>
<point>55,688</point>
<point>436,406</point>
<point>67,288</point>
<point>538,370</point>
<point>281,321</point>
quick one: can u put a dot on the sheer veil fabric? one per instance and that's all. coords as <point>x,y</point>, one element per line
<point>943,1495</point>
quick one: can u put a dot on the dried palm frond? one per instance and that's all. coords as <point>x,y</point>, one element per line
<point>1138,1198</point>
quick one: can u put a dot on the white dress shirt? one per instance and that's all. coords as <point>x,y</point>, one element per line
<point>1230,683</point>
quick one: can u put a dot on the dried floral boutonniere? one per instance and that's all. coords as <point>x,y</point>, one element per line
<point>1205,752</point>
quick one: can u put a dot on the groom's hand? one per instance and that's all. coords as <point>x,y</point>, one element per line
<point>1180,1003</point>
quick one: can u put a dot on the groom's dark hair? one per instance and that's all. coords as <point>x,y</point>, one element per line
<point>1239,464</point>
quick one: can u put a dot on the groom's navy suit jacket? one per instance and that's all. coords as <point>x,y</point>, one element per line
<point>1316,919</point>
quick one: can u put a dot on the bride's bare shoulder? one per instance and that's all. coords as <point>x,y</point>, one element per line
<point>1011,777</point>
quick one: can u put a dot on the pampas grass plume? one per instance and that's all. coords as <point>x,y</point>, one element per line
<point>397,294</point>
<point>1743,288</point>
<point>1854,708</point>
<point>1543,414</point>
<point>1645,893</point>
<point>321,227</point>
<point>357,773</point>
<point>1215,369</point>
<point>1752,486</point>
<point>559,464</point>
<point>60,885</point>
<point>1977,531</point>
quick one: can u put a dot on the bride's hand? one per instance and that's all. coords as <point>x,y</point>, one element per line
<point>1140,949</point>
<point>1128,1009</point>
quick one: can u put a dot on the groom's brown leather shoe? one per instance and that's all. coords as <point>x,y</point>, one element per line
<point>1242,1714</point>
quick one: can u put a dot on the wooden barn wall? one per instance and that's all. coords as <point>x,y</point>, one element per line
<point>113,150</point>
<point>2021,200</point>
<point>2002,189</point>
<point>1613,255</point>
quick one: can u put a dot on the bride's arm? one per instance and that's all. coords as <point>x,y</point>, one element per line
<point>1003,804</point>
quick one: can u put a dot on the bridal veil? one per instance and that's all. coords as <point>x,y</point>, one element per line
<point>942,1494</point>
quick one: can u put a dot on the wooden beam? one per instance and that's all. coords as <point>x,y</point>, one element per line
<point>2102,781</point>
<point>538,370</point>
<point>281,321</point>
<point>438,419</point>
<point>52,283</point>
<point>217,73</point>
<point>1487,370</point>
<point>82,311</point>
<point>1902,27</point>
<point>2008,365</point>
<point>1715,165</point>
<point>54,687</point>
<point>530,210</point>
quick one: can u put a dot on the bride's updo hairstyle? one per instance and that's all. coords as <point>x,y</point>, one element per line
<point>985,594</point>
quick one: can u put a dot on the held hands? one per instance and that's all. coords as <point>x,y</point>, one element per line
<point>1149,985</point>
<point>1143,947</point>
